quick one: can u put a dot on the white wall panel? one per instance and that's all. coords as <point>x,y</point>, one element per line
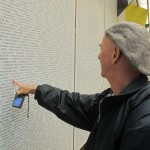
<point>110,13</point>
<point>110,19</point>
<point>90,30</point>
<point>36,46</point>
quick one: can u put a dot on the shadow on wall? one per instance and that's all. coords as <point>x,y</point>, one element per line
<point>121,5</point>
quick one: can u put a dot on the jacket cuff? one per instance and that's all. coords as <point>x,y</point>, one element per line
<point>37,92</point>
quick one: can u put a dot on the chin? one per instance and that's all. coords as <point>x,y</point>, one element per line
<point>102,75</point>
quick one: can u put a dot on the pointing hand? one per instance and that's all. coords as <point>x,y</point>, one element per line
<point>25,88</point>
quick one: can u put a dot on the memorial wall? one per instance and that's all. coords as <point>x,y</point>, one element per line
<point>54,42</point>
<point>36,46</point>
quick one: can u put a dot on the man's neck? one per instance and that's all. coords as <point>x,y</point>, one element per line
<point>118,83</point>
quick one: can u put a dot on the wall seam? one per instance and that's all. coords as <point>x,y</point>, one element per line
<point>75,46</point>
<point>104,32</point>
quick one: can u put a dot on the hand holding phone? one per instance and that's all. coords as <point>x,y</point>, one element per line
<point>18,100</point>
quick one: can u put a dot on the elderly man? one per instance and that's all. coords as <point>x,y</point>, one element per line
<point>119,117</point>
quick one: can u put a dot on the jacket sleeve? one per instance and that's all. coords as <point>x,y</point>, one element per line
<point>138,136</point>
<point>76,109</point>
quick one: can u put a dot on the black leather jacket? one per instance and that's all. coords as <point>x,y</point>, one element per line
<point>120,122</point>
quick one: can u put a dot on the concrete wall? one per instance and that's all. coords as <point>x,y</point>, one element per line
<point>53,42</point>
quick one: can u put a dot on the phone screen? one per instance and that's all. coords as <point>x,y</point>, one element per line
<point>18,101</point>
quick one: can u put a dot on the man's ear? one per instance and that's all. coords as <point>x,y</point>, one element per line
<point>116,55</point>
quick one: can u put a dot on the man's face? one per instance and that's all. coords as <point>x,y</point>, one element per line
<point>105,56</point>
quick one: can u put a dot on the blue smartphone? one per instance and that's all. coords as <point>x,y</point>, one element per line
<point>18,101</point>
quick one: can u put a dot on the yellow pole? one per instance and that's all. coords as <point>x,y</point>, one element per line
<point>137,2</point>
<point>130,2</point>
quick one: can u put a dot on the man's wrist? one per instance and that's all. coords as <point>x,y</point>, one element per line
<point>33,89</point>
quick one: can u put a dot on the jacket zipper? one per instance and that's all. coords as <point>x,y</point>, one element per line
<point>99,115</point>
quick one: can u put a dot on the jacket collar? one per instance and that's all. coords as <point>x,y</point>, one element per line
<point>135,85</point>
<point>111,101</point>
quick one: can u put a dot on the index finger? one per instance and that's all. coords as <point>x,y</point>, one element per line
<point>16,83</point>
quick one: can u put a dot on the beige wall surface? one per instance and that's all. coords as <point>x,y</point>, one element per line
<point>53,42</point>
<point>36,46</point>
<point>90,30</point>
<point>93,17</point>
